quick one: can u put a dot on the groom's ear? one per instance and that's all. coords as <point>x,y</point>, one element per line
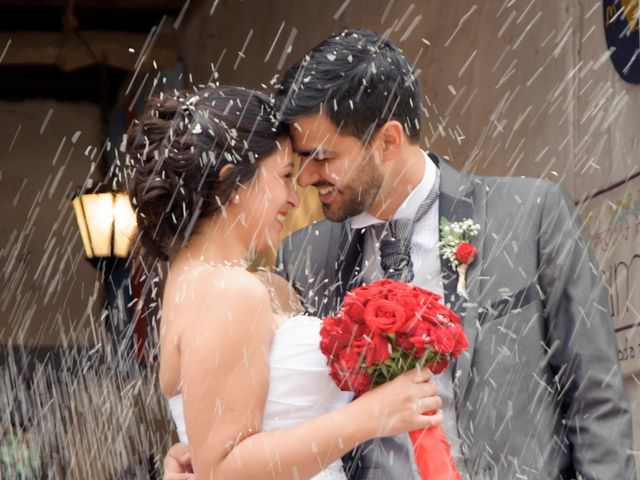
<point>391,138</point>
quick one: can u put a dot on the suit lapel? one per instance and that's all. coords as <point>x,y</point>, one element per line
<point>456,203</point>
<point>347,264</point>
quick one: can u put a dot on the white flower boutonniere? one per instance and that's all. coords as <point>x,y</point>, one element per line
<point>455,246</point>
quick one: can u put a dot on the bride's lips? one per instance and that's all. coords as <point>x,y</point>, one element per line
<point>280,217</point>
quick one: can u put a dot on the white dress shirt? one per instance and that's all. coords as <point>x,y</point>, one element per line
<point>427,274</point>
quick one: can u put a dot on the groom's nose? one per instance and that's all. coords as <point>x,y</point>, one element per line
<point>308,174</point>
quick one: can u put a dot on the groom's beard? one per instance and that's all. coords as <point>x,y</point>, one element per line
<point>357,196</point>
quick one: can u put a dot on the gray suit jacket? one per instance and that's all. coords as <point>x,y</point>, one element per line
<point>539,394</point>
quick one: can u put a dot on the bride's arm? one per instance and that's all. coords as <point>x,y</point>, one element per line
<point>224,364</point>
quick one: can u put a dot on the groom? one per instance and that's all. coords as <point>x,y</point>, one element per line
<point>539,394</point>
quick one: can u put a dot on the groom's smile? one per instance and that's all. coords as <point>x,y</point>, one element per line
<point>326,192</point>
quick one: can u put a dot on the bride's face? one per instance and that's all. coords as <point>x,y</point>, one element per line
<point>265,201</point>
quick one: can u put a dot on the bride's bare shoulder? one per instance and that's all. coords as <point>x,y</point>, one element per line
<point>196,286</point>
<point>284,299</point>
<point>211,308</point>
<point>212,278</point>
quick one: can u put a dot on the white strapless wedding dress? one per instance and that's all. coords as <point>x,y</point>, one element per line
<point>300,387</point>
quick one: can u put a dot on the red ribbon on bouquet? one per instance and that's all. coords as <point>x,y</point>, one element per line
<point>433,454</point>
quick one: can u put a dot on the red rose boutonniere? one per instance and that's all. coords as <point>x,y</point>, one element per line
<point>455,246</point>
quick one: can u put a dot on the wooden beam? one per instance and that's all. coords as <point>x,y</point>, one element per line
<point>84,48</point>
<point>165,5</point>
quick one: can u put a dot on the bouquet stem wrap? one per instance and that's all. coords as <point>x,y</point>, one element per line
<point>433,454</point>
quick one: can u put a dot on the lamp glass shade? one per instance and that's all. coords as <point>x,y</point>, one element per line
<point>98,214</point>
<point>82,226</point>
<point>124,220</point>
<point>107,223</point>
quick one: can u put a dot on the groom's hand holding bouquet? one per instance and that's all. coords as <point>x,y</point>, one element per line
<point>385,329</point>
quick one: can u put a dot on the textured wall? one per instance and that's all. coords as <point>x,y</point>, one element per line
<point>49,290</point>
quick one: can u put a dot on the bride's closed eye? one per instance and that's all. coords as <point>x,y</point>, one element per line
<point>288,175</point>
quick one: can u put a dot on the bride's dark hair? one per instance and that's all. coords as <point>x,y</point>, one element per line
<point>177,149</point>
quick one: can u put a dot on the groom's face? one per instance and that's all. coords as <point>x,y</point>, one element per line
<point>340,167</point>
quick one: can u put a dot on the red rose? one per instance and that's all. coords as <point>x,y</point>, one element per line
<point>358,382</point>
<point>327,336</point>
<point>465,253</point>
<point>337,375</point>
<point>424,296</point>
<point>394,288</point>
<point>384,316</point>
<point>336,334</point>
<point>412,299</point>
<point>419,346</point>
<point>453,317</point>
<point>374,347</point>
<point>439,366</point>
<point>404,343</point>
<point>353,308</point>
<point>420,337</point>
<point>346,372</point>
<point>460,341</point>
<point>372,290</point>
<point>330,336</point>
<point>443,340</point>
<point>438,315</point>
<point>347,361</point>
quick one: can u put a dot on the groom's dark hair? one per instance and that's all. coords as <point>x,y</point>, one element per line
<point>359,79</point>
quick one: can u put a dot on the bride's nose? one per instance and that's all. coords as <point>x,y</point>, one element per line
<point>292,199</point>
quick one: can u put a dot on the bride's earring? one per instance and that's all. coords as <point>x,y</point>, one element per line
<point>236,199</point>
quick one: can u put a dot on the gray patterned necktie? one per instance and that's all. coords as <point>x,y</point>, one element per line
<point>395,238</point>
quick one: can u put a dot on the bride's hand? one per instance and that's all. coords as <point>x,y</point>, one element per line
<point>408,402</point>
<point>177,463</point>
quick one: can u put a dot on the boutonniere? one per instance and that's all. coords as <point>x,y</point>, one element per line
<point>455,246</point>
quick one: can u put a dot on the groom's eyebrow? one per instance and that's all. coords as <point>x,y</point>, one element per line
<point>309,152</point>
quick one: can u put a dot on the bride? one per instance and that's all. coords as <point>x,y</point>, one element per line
<point>247,385</point>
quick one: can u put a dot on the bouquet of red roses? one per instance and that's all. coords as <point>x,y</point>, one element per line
<point>385,329</point>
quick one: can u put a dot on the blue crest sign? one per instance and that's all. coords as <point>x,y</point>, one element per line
<point>622,31</point>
